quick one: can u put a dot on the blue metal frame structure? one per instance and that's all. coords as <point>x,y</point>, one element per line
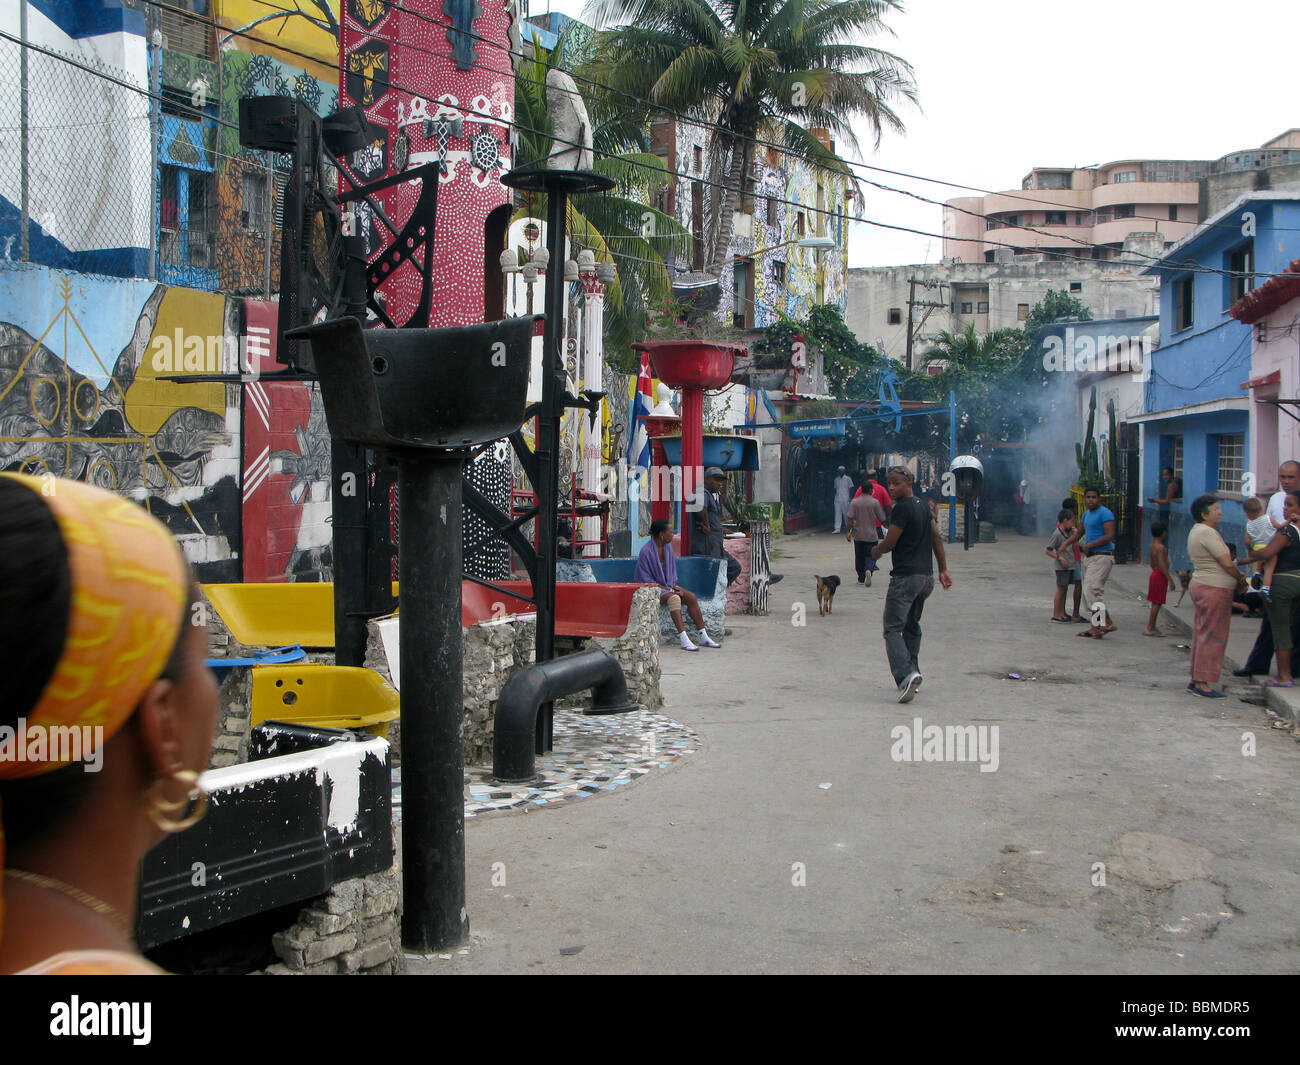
<point>886,407</point>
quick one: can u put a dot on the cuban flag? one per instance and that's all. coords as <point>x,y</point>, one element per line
<point>638,448</point>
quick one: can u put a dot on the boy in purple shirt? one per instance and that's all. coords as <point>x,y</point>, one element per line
<point>657,565</point>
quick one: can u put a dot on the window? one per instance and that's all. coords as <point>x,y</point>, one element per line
<point>1078,218</point>
<point>1232,459</point>
<point>778,274</point>
<point>179,102</point>
<point>1177,461</point>
<point>1124,175</point>
<point>252,213</point>
<point>1241,267</point>
<point>988,257</point>
<point>1076,286</point>
<point>1022,311</point>
<point>982,307</point>
<point>1173,212</point>
<point>1184,312</point>
<point>798,225</point>
<point>202,219</point>
<point>1125,210</point>
<point>180,31</point>
<point>167,197</point>
<point>1055,218</point>
<point>743,306</point>
<point>895,315</point>
<point>771,211</point>
<point>699,159</point>
<point>965,308</point>
<point>747,198</point>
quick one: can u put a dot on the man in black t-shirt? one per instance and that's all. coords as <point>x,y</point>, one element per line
<point>913,536</point>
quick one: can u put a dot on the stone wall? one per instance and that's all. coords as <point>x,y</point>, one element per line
<point>637,650</point>
<point>356,928</point>
<point>493,652</point>
<point>234,698</point>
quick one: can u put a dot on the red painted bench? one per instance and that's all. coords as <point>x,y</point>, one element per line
<point>582,608</point>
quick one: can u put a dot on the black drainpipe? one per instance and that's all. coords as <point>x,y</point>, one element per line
<point>518,732</point>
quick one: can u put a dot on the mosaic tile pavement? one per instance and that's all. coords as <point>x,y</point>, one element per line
<point>591,755</point>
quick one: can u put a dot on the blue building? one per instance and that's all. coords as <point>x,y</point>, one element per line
<point>1197,414</point>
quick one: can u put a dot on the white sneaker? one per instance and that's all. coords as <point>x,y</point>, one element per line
<point>867,582</point>
<point>907,690</point>
<point>707,641</point>
<point>686,643</point>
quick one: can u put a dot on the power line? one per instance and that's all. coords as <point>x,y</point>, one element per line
<point>640,103</point>
<point>662,170</point>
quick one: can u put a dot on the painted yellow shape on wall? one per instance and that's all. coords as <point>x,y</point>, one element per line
<point>300,30</point>
<point>188,318</point>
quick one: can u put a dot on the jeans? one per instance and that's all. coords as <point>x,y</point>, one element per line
<point>903,605</point>
<point>862,560</point>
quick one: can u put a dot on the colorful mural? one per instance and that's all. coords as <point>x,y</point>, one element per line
<point>93,386</point>
<point>442,92</point>
<point>80,397</point>
<point>300,60</point>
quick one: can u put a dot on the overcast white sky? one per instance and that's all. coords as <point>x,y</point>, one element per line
<point>1007,85</point>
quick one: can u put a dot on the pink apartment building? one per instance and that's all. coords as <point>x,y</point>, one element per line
<point>1096,205</point>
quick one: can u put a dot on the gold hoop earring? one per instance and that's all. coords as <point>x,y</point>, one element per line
<point>160,809</point>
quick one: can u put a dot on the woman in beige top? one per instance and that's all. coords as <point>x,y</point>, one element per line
<point>1214,579</point>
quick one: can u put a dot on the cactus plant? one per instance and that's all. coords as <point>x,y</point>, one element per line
<point>1112,447</point>
<point>1085,454</point>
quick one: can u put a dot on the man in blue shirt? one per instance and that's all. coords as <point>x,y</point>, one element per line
<point>1098,547</point>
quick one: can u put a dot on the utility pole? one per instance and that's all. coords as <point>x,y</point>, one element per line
<point>912,301</point>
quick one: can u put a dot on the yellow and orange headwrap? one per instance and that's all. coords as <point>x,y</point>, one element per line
<point>129,583</point>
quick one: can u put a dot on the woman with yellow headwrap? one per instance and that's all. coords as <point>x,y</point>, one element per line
<point>107,714</point>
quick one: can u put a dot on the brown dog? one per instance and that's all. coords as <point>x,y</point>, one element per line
<point>826,593</point>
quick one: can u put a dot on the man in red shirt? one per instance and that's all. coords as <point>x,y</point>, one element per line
<point>880,492</point>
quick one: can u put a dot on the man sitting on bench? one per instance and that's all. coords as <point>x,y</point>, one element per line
<point>657,565</point>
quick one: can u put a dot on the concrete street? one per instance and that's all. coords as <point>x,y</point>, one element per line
<point>1123,831</point>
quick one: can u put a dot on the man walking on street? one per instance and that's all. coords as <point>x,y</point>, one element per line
<point>865,518</point>
<point>843,486</point>
<point>913,536</point>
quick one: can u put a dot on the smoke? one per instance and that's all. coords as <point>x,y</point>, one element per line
<point>1049,462</point>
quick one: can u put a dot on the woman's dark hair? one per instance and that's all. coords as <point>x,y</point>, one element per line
<point>35,599</point>
<point>1201,504</point>
<point>657,526</point>
<point>1158,529</point>
<point>35,596</point>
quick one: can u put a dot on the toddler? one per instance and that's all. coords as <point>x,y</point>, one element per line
<point>1058,548</point>
<point>1161,579</point>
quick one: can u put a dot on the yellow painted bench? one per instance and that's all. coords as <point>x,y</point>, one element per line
<point>326,696</point>
<point>277,614</point>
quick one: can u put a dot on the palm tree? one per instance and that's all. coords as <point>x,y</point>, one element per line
<point>617,226</point>
<point>968,353</point>
<point>747,67</point>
